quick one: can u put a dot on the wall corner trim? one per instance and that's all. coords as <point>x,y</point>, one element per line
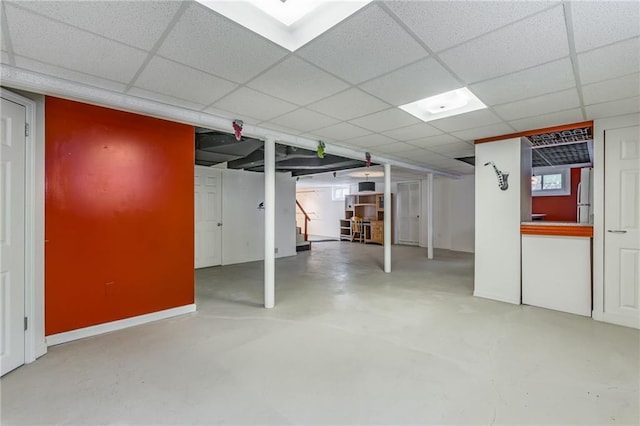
<point>94,330</point>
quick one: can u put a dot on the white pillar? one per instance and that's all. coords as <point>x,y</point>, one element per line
<point>430,216</point>
<point>269,222</point>
<point>387,218</point>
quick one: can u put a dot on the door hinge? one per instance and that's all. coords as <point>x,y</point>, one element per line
<point>26,129</point>
<point>26,323</point>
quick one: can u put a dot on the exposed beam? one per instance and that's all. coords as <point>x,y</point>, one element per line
<point>537,132</point>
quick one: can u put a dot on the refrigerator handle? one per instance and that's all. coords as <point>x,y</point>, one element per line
<point>579,193</point>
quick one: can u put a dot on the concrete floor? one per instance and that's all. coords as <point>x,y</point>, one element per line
<point>346,344</point>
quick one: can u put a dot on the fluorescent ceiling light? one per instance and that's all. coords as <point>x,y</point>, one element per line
<point>292,23</point>
<point>366,174</point>
<point>447,104</point>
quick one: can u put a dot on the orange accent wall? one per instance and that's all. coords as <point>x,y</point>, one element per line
<point>562,208</point>
<point>119,215</point>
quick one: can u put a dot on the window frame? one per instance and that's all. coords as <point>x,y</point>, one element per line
<point>344,189</point>
<point>566,181</point>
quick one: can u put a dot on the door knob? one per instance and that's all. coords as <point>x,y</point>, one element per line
<point>617,231</point>
<point>219,224</point>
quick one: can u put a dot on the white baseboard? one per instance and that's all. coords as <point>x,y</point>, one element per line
<point>94,330</point>
<point>496,297</point>
<point>626,321</point>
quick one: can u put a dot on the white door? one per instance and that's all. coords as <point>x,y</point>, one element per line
<point>12,212</point>
<point>208,212</point>
<point>408,219</point>
<point>622,225</point>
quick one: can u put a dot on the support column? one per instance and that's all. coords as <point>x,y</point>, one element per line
<point>430,216</point>
<point>269,222</point>
<point>387,218</point>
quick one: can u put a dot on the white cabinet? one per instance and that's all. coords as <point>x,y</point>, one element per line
<point>556,273</point>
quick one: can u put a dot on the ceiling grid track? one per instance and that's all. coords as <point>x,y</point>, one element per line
<point>573,55</point>
<point>157,44</point>
<point>6,35</point>
<point>436,57</point>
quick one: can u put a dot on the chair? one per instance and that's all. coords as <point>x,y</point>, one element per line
<point>357,229</point>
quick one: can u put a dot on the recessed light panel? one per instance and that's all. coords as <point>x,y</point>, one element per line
<point>446,104</point>
<point>290,23</point>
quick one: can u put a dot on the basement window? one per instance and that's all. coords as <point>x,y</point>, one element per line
<point>338,193</point>
<point>551,182</point>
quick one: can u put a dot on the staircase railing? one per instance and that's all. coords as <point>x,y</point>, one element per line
<point>306,219</point>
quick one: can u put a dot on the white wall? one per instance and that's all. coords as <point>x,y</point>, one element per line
<point>454,220</point>
<point>324,212</point>
<point>453,211</point>
<point>243,230</point>
<point>498,216</point>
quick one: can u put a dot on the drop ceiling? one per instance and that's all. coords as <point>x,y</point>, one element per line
<point>344,87</point>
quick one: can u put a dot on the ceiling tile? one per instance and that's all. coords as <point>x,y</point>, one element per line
<point>622,20</point>
<point>415,154</point>
<point>539,105</point>
<point>4,43</point>
<point>386,120</point>
<point>230,116</point>
<point>551,77</point>
<point>341,131</point>
<point>185,82</point>
<point>433,141</point>
<point>458,154</point>
<point>349,104</point>
<point>416,81</point>
<point>548,120</point>
<point>415,131</point>
<point>351,49</point>
<point>254,104</point>
<point>613,108</point>
<point>137,23</point>
<point>207,41</point>
<point>439,160</point>
<point>70,47</point>
<point>55,71</point>
<point>484,132</point>
<point>394,148</point>
<point>369,141</point>
<point>278,128</point>
<point>610,62</point>
<point>610,90</point>
<point>165,99</point>
<point>429,157</point>
<point>479,118</point>
<point>433,21</point>
<point>510,48</point>
<point>452,147</point>
<point>304,120</point>
<point>296,81</point>
<point>464,169</point>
